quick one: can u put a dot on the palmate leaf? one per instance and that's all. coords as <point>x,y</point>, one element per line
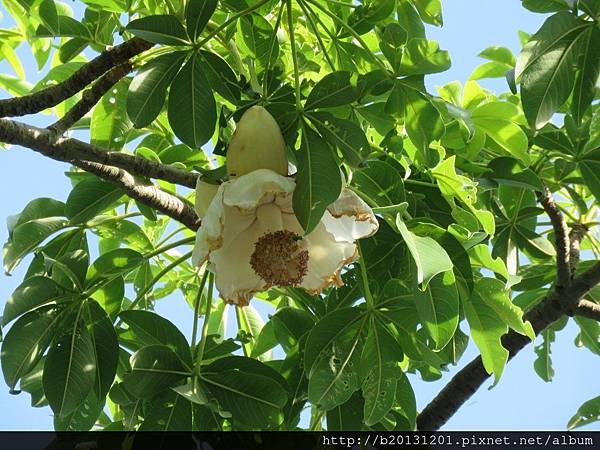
<point>588,412</point>
<point>109,118</point>
<point>30,294</point>
<point>89,198</point>
<point>159,29</point>
<point>197,15</point>
<point>589,70</point>
<point>334,89</point>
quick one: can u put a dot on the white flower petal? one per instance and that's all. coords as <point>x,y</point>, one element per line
<point>350,218</point>
<point>326,258</point>
<point>255,188</point>
<point>205,193</point>
<point>235,278</point>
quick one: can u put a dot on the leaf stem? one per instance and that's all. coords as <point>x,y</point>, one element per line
<point>365,279</point>
<point>294,54</point>
<point>271,47</point>
<point>155,280</point>
<point>166,247</point>
<point>170,235</point>
<point>353,33</point>
<point>197,306</point>
<point>203,336</point>
<point>420,183</point>
<point>313,27</point>
<point>232,19</point>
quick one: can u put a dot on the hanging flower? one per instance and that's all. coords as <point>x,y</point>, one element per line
<point>253,241</point>
<point>250,235</point>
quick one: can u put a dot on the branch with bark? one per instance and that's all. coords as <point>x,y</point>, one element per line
<point>90,97</point>
<point>168,204</point>
<point>91,71</point>
<point>564,298</point>
<point>43,141</point>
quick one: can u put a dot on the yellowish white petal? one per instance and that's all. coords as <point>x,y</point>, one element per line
<point>205,192</point>
<point>350,218</point>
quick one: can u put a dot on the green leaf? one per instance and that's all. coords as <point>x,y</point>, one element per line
<point>438,308</point>
<point>379,371</point>
<point>556,29</point>
<point>318,183</point>
<point>380,184</point>
<point>347,416</point>
<point>507,170</point>
<point>149,328</point>
<point>154,368</point>
<point>289,325</point>
<point>26,342</point>
<point>495,295</point>
<point>253,399</point>
<point>89,198</point>
<point>347,136</point>
<point>422,119</point>
<point>429,256</point>
<point>257,39</point>
<point>109,121</point>
<point>430,11</point>
<point>487,329</point>
<point>548,80</point>
<point>588,412</point>
<point>543,361</point>
<point>110,296</point>
<point>64,26</point>
<point>589,165</point>
<point>496,119</point>
<point>197,15</point>
<point>147,90</point>
<point>422,56</point>
<point>326,331</point>
<point>192,109</point>
<point>159,29</point>
<point>14,86</point>
<point>334,89</point>
<point>587,76</point>
<point>26,237</point>
<point>115,262</point>
<point>453,186</point>
<point>334,376</point>
<point>168,412</point>
<point>30,294</point>
<point>70,368</point>
<point>38,208</point>
<point>589,334</point>
<point>221,77</point>
<point>106,347</point>
<point>125,232</point>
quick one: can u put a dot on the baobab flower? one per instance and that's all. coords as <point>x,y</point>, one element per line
<point>253,241</point>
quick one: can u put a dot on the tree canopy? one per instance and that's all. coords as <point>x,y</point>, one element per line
<point>486,205</point>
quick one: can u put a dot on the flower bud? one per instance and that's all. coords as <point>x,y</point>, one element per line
<point>257,143</point>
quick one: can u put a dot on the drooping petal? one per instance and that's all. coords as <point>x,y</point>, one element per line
<point>350,218</point>
<point>326,258</point>
<point>209,236</point>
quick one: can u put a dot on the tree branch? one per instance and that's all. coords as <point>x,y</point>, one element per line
<point>466,382</point>
<point>69,150</point>
<point>561,236</point>
<point>90,97</point>
<point>587,309</point>
<point>150,195</point>
<point>53,95</point>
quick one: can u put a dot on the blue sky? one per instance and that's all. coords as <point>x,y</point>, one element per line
<point>521,401</point>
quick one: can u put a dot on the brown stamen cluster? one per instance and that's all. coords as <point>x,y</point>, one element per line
<point>278,260</point>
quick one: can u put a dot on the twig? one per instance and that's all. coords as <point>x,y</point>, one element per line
<point>53,95</point>
<point>90,97</point>
<point>587,309</point>
<point>69,149</point>
<point>561,236</point>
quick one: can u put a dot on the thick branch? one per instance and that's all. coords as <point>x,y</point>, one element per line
<point>561,236</point>
<point>69,149</point>
<point>577,233</point>
<point>53,95</point>
<point>466,382</point>
<point>152,196</point>
<point>587,309</point>
<point>90,97</point>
